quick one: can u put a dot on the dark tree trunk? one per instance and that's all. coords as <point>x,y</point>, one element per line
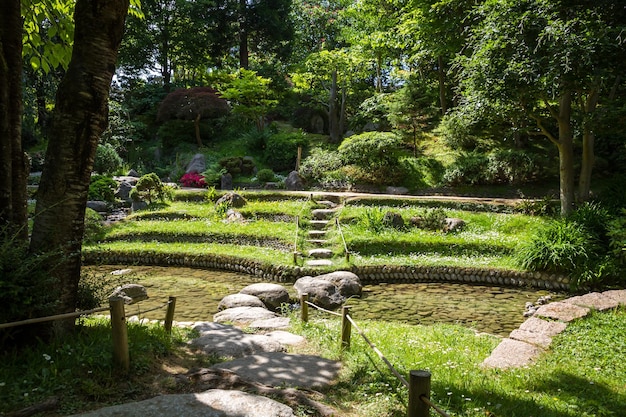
<point>13,162</point>
<point>243,35</point>
<point>333,118</point>
<point>79,117</point>
<point>566,154</point>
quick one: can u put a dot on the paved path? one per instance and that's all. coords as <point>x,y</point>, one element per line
<point>534,336</point>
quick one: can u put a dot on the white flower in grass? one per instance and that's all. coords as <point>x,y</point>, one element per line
<point>47,357</point>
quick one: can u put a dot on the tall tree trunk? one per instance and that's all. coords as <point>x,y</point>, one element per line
<point>79,117</point>
<point>166,71</point>
<point>589,137</point>
<point>13,161</point>
<point>243,35</point>
<point>196,124</point>
<point>566,154</point>
<point>333,122</point>
<point>442,85</point>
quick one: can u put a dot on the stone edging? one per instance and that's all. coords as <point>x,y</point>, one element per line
<point>534,336</point>
<point>368,274</point>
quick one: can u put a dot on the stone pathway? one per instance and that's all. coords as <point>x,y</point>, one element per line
<point>534,336</point>
<point>318,235</point>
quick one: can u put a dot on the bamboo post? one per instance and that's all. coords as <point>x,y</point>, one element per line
<point>304,307</point>
<point>169,315</point>
<point>299,158</point>
<point>419,386</point>
<point>346,328</point>
<point>121,358</point>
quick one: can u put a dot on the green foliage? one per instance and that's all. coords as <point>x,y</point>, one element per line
<point>578,245</point>
<point>371,150</point>
<point>213,175</point>
<point>617,237</point>
<point>545,206</point>
<point>150,188</point>
<point>236,165</point>
<point>256,140</point>
<point>93,289</point>
<point>27,289</point>
<point>94,229</point>
<point>372,219</point>
<point>467,169</point>
<point>175,134</point>
<point>319,166</point>
<point>281,151</point>
<point>102,188</point>
<point>265,175</point>
<point>107,160</point>
<point>432,219</point>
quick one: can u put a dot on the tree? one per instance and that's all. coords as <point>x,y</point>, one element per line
<point>79,117</point>
<point>549,59</point>
<point>193,104</point>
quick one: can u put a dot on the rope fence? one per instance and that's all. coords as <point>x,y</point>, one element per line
<point>343,239</point>
<point>119,331</point>
<point>419,380</point>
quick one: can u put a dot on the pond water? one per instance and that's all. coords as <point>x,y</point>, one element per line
<point>496,310</point>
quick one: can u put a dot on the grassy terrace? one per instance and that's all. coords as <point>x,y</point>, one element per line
<point>195,227</point>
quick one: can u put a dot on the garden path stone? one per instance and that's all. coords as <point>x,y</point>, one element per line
<point>211,403</point>
<point>320,253</point>
<point>594,300</point>
<point>278,369</point>
<point>228,341</point>
<point>243,315</point>
<point>539,339</point>
<point>537,325</point>
<point>618,295</point>
<point>512,354</point>
<point>563,311</point>
<point>270,324</point>
<point>272,295</point>
<point>239,300</point>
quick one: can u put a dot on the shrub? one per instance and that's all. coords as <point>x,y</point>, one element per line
<point>458,130</point>
<point>192,179</point>
<point>150,188</point>
<point>373,218</point>
<point>94,229</point>
<point>509,166</point>
<point>213,175</point>
<point>433,219</point>
<point>469,168</point>
<point>266,175</point>
<point>102,188</point>
<point>107,161</point>
<point>282,150</point>
<point>371,150</point>
<point>318,165</point>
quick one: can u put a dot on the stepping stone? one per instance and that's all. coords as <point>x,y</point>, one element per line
<point>538,339</point>
<point>327,203</point>
<point>317,233</point>
<point>278,369</point>
<point>319,262</point>
<point>319,224</point>
<point>512,354</point>
<point>322,214</point>
<point>562,311</point>
<point>321,253</point>
<point>211,403</point>
<point>593,300</point>
<point>619,295</point>
<point>228,341</point>
<point>286,338</point>
<point>318,242</point>
<point>549,328</point>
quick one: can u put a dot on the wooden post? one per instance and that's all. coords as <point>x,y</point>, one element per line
<point>346,328</point>
<point>304,307</point>
<point>121,357</point>
<point>299,158</point>
<point>169,315</point>
<point>419,386</point>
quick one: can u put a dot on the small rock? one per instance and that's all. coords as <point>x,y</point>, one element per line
<point>130,293</point>
<point>272,295</point>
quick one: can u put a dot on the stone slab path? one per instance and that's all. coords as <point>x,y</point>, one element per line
<point>534,336</point>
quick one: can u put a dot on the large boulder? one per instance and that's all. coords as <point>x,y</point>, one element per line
<point>321,292</point>
<point>393,219</point>
<point>239,300</point>
<point>123,190</point>
<point>99,206</point>
<point>226,181</point>
<point>197,164</point>
<point>348,283</point>
<point>294,182</point>
<point>233,200</point>
<point>272,295</point>
<point>130,293</point>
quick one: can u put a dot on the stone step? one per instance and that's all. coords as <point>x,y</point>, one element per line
<point>319,224</point>
<point>319,262</point>
<point>322,214</point>
<point>317,233</point>
<point>327,203</point>
<point>317,242</point>
<point>321,253</point>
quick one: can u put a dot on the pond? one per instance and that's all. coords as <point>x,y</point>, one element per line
<point>495,310</point>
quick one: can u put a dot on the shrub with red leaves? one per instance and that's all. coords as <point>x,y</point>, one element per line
<point>192,179</point>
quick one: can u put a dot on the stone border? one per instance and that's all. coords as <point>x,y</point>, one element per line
<point>534,336</point>
<point>375,274</point>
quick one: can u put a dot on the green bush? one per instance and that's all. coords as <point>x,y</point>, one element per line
<point>372,218</point>
<point>433,219</point>
<point>510,166</point>
<point>175,134</point>
<point>458,130</point>
<point>102,188</point>
<point>319,164</point>
<point>213,175</point>
<point>150,188</point>
<point>371,150</point>
<point>107,161</point>
<point>236,165</point>
<point>265,175</point>
<point>282,150</point>
<point>94,229</point>
<point>469,169</point>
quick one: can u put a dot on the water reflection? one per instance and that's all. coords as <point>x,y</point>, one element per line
<point>496,310</point>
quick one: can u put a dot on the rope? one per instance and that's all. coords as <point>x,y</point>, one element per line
<point>379,353</point>
<point>139,312</point>
<point>323,309</point>
<point>433,406</point>
<point>51,318</point>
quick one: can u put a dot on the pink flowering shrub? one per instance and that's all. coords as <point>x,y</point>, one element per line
<point>192,179</point>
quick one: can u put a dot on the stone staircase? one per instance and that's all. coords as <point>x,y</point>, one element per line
<point>319,235</point>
